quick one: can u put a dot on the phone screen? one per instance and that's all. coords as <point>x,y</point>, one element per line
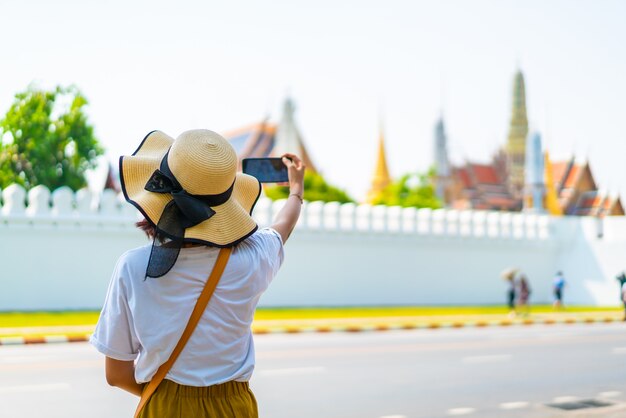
<point>266,170</point>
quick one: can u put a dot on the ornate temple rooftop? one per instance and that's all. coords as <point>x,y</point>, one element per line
<point>266,139</point>
<point>565,187</point>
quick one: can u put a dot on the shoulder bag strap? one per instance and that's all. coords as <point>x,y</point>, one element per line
<point>201,304</point>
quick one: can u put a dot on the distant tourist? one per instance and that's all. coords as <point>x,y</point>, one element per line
<point>523,291</point>
<point>509,276</point>
<point>621,278</point>
<point>205,241</point>
<point>511,296</point>
<point>557,287</point>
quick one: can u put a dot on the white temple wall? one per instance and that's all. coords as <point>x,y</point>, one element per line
<point>592,263</point>
<point>57,251</point>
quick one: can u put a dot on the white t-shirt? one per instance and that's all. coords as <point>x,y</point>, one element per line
<point>144,319</point>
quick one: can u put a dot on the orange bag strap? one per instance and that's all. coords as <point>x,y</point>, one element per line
<point>203,300</point>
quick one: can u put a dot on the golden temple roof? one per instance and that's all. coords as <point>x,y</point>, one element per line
<point>552,200</point>
<point>381,178</point>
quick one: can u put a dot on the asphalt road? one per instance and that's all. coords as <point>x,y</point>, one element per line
<point>480,372</point>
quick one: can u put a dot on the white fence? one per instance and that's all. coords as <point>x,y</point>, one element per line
<point>58,249</point>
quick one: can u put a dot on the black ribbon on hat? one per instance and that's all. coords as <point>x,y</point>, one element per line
<point>184,211</point>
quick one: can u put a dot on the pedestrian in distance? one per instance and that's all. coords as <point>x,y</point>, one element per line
<point>175,328</point>
<point>523,292</point>
<point>510,294</point>
<point>623,293</point>
<point>558,284</point>
<point>509,276</point>
<point>621,278</point>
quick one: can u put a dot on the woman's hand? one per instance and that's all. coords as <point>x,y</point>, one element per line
<point>295,170</point>
<point>288,216</point>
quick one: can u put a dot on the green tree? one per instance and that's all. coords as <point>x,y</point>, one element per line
<point>411,190</point>
<point>47,140</point>
<point>315,188</point>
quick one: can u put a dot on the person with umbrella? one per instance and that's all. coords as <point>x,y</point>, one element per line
<point>509,276</point>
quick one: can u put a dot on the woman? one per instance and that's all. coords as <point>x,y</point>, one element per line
<point>524,294</point>
<point>194,203</point>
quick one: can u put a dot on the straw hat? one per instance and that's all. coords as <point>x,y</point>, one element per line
<point>509,274</point>
<point>204,166</point>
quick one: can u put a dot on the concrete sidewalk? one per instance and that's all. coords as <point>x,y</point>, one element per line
<point>76,333</point>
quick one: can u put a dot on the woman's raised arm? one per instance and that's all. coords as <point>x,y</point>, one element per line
<point>288,216</point>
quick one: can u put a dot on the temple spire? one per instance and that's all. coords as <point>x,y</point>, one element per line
<point>381,178</point>
<point>516,142</point>
<point>442,164</point>
<point>535,192</point>
<point>288,137</point>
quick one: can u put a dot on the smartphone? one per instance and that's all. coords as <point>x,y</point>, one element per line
<point>266,170</point>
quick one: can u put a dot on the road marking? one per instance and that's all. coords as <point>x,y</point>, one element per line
<point>461,411</point>
<point>34,388</point>
<point>498,358</point>
<point>23,359</point>
<point>291,371</point>
<point>619,350</point>
<point>77,364</point>
<point>514,405</point>
<point>562,399</point>
<point>393,416</point>
<point>56,338</point>
<point>11,340</point>
<point>609,394</point>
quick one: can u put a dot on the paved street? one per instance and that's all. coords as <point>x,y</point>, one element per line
<point>480,372</point>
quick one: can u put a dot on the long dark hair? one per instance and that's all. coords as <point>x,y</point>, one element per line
<point>150,229</point>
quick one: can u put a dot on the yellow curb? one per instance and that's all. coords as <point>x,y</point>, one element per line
<point>324,329</point>
<point>351,328</point>
<point>293,330</point>
<point>354,329</point>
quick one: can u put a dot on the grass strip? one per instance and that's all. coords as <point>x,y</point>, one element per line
<point>47,319</point>
<point>69,318</point>
<point>417,311</point>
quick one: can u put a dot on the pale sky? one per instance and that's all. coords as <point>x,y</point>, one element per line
<point>181,65</point>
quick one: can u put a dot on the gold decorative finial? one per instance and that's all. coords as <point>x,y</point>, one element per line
<point>381,178</point>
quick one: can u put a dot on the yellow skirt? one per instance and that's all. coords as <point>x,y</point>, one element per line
<point>230,399</point>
